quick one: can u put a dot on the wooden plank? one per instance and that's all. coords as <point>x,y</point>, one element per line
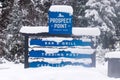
<point>58,54</point>
<point>40,42</point>
<point>26,52</point>
<point>42,63</point>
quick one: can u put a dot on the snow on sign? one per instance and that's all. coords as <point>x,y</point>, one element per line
<point>60,19</point>
<point>44,49</point>
<point>75,52</point>
<point>75,30</point>
<point>65,42</point>
<point>114,54</point>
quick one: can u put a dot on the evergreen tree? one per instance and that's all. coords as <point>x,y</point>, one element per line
<point>101,14</point>
<point>12,35</point>
<point>34,13</point>
<point>117,19</point>
<point>4,21</point>
<point>6,9</point>
<point>79,8</point>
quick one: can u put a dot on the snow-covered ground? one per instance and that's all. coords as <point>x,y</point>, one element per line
<point>11,71</point>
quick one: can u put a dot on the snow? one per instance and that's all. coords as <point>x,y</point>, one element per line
<point>93,3</point>
<point>118,4</point>
<point>0,7</point>
<point>92,13</point>
<point>60,39</point>
<point>75,31</point>
<point>90,2</point>
<point>113,1</point>
<point>73,50</point>
<point>61,8</point>
<point>58,60</point>
<point>86,31</point>
<point>0,4</point>
<point>111,11</point>
<point>56,39</point>
<point>104,27</point>
<point>9,36</point>
<point>25,12</point>
<point>114,54</point>
<point>33,30</point>
<point>106,2</point>
<point>10,71</point>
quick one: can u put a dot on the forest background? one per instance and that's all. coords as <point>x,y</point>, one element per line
<point>103,14</point>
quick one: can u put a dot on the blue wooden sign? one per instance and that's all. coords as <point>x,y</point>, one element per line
<point>60,22</point>
<point>40,42</point>
<point>65,54</point>
<point>39,53</point>
<point>62,63</point>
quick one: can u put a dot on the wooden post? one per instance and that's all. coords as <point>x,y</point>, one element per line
<point>26,64</point>
<point>93,60</point>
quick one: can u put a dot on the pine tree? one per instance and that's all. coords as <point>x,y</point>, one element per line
<point>6,9</point>
<point>12,36</point>
<point>4,21</point>
<point>101,14</point>
<point>34,13</point>
<point>117,25</point>
<point>79,8</point>
<point>117,19</point>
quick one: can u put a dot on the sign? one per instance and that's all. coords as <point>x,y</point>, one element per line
<point>60,22</point>
<point>61,52</point>
<point>40,42</point>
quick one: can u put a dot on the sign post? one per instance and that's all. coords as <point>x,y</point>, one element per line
<point>59,44</point>
<point>26,52</point>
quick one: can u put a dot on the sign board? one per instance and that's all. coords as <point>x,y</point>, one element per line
<point>60,52</point>
<point>41,42</point>
<point>57,51</point>
<point>60,19</point>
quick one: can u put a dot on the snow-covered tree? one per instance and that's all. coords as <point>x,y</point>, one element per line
<point>117,23</point>
<point>6,9</point>
<point>34,13</point>
<point>4,21</point>
<point>117,20</point>
<point>79,8</point>
<point>12,36</point>
<point>101,13</point>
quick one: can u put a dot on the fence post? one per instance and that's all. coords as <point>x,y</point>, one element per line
<point>26,64</point>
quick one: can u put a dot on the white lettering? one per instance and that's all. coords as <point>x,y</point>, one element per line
<point>60,20</point>
<point>59,25</point>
